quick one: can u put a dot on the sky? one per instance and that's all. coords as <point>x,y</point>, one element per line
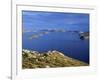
<point>38,20</point>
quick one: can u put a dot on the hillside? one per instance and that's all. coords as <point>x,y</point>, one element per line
<point>34,59</point>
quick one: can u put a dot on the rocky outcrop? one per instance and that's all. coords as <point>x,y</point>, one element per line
<point>84,35</point>
<point>34,59</point>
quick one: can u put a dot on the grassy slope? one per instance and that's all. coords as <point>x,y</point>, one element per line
<point>45,60</point>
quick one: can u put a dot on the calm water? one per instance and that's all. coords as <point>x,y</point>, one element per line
<point>67,42</point>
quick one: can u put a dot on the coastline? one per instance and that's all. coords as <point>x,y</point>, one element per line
<point>50,59</point>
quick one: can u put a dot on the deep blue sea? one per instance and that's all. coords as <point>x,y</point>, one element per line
<point>68,43</point>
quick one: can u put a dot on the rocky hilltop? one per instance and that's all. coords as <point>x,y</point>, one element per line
<point>34,59</point>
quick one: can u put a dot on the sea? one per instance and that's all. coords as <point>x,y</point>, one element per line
<point>69,43</point>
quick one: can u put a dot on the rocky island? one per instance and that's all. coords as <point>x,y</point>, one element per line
<point>84,35</point>
<point>50,59</point>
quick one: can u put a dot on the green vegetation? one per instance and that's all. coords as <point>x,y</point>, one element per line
<point>48,59</point>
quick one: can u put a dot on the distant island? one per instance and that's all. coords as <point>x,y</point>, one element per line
<point>82,35</point>
<point>50,59</point>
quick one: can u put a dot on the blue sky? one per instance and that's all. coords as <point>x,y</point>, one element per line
<point>36,20</point>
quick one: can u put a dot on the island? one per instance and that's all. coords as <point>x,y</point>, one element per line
<point>84,35</point>
<point>50,59</point>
